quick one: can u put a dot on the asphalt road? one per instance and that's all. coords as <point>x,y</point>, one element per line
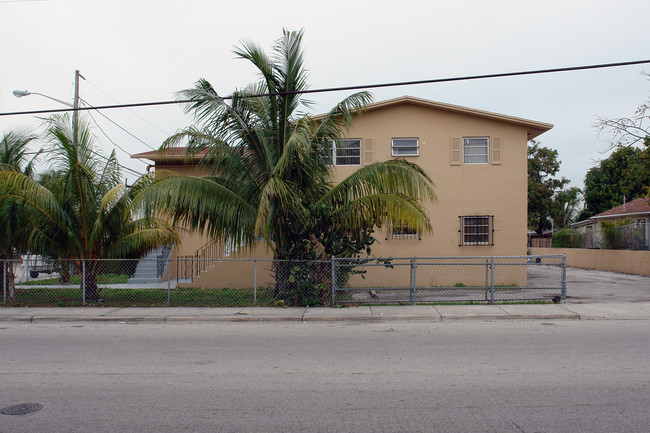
<point>558,376</point>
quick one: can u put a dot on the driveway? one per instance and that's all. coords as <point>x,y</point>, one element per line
<point>592,286</point>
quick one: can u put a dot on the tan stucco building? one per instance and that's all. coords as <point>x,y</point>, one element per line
<point>477,160</point>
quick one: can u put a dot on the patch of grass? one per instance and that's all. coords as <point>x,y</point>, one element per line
<point>185,297</point>
<point>76,280</point>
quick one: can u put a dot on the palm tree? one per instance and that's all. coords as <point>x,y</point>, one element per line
<point>14,232</point>
<point>269,173</point>
<point>82,212</point>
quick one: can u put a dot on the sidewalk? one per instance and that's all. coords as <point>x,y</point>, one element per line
<point>420,313</point>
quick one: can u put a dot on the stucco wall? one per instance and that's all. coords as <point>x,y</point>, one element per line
<point>627,261</point>
<point>463,190</point>
<point>498,188</point>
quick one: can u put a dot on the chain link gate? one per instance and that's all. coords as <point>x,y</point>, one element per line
<point>449,279</point>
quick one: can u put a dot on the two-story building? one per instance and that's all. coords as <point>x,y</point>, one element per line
<point>477,160</point>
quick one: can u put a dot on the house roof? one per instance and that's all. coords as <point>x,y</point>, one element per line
<point>178,155</point>
<point>534,128</point>
<point>172,155</point>
<point>639,206</point>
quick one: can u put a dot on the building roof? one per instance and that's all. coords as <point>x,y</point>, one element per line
<point>172,155</point>
<point>635,207</point>
<point>178,155</point>
<point>534,128</point>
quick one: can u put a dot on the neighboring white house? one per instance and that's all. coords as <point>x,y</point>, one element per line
<point>637,212</point>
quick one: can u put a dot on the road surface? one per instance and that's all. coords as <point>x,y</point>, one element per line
<point>244,377</point>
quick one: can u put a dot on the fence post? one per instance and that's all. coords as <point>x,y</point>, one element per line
<point>413,280</point>
<point>83,282</point>
<point>487,284</point>
<point>4,280</point>
<point>492,281</point>
<point>254,281</point>
<point>563,296</point>
<point>333,280</point>
<point>169,279</point>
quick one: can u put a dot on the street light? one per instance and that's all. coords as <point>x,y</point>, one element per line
<point>21,93</point>
<point>74,106</point>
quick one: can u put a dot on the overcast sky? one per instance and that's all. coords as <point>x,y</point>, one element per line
<point>138,51</point>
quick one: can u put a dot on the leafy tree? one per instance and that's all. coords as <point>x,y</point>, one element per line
<point>14,232</point>
<point>269,171</point>
<point>82,212</point>
<point>625,173</point>
<point>542,166</point>
<point>564,206</point>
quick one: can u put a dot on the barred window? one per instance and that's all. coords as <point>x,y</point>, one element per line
<point>476,230</point>
<point>402,231</point>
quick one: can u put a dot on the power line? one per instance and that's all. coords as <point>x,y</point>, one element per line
<point>116,124</point>
<point>358,87</point>
<point>131,111</point>
<point>109,138</point>
<point>105,158</point>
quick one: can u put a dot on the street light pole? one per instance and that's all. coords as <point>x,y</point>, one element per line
<point>74,105</point>
<point>75,113</point>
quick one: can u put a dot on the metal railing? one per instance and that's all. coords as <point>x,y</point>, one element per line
<point>191,266</point>
<point>250,282</point>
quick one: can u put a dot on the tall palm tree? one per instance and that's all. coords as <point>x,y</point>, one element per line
<point>14,232</point>
<point>83,212</point>
<point>269,174</point>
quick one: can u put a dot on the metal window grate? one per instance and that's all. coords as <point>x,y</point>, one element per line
<point>476,230</point>
<point>402,231</point>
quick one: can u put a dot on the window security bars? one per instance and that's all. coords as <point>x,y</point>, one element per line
<point>402,231</point>
<point>476,230</point>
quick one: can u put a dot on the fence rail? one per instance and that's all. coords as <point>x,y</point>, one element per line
<point>244,282</point>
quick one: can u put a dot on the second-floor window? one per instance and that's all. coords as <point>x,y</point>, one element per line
<point>405,147</point>
<point>346,151</point>
<point>476,150</point>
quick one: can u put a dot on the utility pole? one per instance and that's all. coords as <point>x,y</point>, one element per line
<point>75,113</point>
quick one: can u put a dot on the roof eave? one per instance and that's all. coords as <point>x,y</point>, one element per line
<point>535,128</point>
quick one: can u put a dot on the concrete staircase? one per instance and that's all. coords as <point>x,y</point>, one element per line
<point>151,267</point>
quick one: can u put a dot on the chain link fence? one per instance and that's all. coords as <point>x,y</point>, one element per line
<point>34,281</point>
<point>450,279</point>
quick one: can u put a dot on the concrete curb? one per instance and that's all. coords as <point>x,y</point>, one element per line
<point>315,319</point>
<point>367,314</point>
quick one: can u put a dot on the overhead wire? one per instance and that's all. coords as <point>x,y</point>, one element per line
<point>116,124</point>
<point>344,88</point>
<point>109,138</point>
<point>131,111</point>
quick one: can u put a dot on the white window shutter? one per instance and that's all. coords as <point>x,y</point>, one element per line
<point>369,151</point>
<point>497,152</point>
<point>456,151</point>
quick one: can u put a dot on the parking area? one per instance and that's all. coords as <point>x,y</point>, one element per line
<point>592,286</point>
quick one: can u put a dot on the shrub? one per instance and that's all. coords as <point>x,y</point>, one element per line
<point>567,238</point>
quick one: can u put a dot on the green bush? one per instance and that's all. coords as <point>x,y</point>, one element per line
<point>567,238</point>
